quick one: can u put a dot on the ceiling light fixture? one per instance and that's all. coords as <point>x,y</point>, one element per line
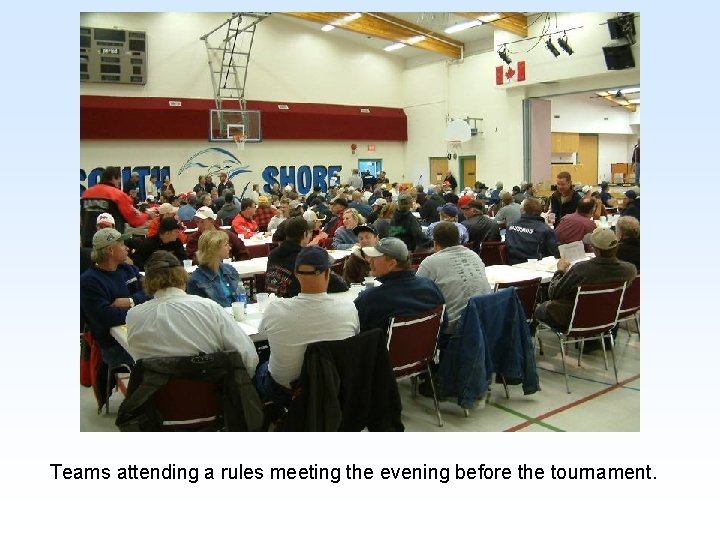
<point>462,26</point>
<point>502,53</point>
<point>489,18</point>
<point>352,17</point>
<point>414,39</point>
<point>563,42</point>
<point>637,101</point>
<point>552,48</point>
<point>327,28</point>
<point>394,47</point>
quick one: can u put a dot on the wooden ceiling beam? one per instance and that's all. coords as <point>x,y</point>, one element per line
<point>510,21</point>
<point>384,26</point>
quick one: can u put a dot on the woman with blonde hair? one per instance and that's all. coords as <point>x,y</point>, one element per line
<point>344,237</point>
<point>213,278</point>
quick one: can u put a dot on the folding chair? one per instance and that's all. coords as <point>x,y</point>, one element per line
<point>412,344</point>
<point>594,314</point>
<point>630,308</point>
<point>527,291</point>
<point>493,253</point>
<point>258,250</point>
<point>418,256</point>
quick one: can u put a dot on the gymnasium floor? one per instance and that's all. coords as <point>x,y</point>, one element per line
<point>595,404</point>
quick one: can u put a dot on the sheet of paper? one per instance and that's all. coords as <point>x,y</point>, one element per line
<point>574,251</point>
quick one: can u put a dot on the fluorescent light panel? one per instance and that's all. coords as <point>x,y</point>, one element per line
<point>415,39</point>
<point>352,17</point>
<point>489,18</point>
<point>394,46</point>
<point>327,28</point>
<point>462,26</point>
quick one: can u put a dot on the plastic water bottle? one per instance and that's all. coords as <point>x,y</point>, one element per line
<point>241,296</point>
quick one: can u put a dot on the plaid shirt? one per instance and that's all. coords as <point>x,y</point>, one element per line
<point>263,215</point>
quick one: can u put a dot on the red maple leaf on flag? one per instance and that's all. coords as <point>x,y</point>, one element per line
<point>510,73</point>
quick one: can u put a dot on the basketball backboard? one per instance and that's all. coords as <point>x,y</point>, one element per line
<point>226,123</point>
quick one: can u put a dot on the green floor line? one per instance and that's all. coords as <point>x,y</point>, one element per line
<point>526,417</point>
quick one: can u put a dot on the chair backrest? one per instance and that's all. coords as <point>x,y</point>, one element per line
<point>90,209</point>
<point>631,299</point>
<point>412,341</point>
<point>259,282</point>
<point>596,308</point>
<point>338,267</point>
<point>493,253</point>
<point>188,405</point>
<point>258,250</point>
<point>527,293</point>
<point>418,256</point>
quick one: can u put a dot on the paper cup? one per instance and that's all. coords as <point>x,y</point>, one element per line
<point>238,309</point>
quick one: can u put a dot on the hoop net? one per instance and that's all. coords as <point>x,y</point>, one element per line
<point>239,141</point>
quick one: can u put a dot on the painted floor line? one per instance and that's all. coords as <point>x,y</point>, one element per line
<point>530,419</point>
<point>588,379</point>
<point>574,404</point>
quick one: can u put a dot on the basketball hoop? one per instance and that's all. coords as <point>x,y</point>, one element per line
<point>239,141</point>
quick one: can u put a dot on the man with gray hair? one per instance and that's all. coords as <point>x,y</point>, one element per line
<point>402,292</point>
<point>495,194</point>
<point>108,290</point>
<point>628,233</point>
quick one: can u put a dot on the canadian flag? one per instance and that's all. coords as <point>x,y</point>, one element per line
<point>508,74</point>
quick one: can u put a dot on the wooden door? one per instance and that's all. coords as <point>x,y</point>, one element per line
<point>588,159</point>
<point>438,168</point>
<point>467,171</point>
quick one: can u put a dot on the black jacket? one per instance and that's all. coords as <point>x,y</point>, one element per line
<point>242,409</point>
<point>629,251</point>
<point>280,278</point>
<point>152,244</point>
<point>346,385</point>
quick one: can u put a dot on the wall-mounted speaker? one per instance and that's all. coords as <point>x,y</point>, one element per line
<point>619,56</point>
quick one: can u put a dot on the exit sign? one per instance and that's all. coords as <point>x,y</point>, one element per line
<point>371,147</point>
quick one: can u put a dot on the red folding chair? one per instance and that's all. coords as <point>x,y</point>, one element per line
<point>527,293</point>
<point>412,345</point>
<point>258,250</point>
<point>493,253</point>
<point>630,309</point>
<point>594,314</point>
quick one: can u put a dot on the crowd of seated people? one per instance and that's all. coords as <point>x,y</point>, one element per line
<point>382,225</point>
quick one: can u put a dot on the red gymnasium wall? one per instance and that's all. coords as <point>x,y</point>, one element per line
<point>108,117</point>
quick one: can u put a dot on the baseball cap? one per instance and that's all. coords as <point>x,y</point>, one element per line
<point>603,239</point>
<point>365,228</point>
<point>464,200</point>
<point>474,204</point>
<point>311,217</point>
<point>391,247</point>
<point>404,200</point>
<point>161,259</point>
<point>134,174</point>
<point>631,194</point>
<point>205,213</point>
<point>169,224</point>
<point>150,198</point>
<point>262,199</point>
<point>166,208</point>
<point>449,209</point>
<point>105,220</point>
<point>314,256</point>
<point>380,202</point>
<point>482,186</point>
<point>106,237</point>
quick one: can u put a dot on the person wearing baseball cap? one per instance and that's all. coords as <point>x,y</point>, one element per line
<point>604,268</point>
<point>105,221</point>
<point>449,212</point>
<point>330,319</point>
<point>205,221</point>
<point>166,239</point>
<point>631,204</point>
<point>165,210</point>
<point>480,227</point>
<point>108,289</point>
<point>402,292</point>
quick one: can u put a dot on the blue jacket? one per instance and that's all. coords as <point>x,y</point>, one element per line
<point>204,282</point>
<point>401,293</point>
<point>491,336</point>
<point>529,238</point>
<point>344,239</point>
<point>98,289</point>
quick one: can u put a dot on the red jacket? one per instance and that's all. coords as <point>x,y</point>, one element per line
<point>123,201</point>
<point>244,227</point>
